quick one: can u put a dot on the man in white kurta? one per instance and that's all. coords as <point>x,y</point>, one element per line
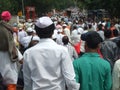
<point>9,55</point>
<point>47,65</point>
<point>8,69</point>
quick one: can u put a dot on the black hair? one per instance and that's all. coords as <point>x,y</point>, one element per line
<point>30,33</point>
<point>100,27</point>
<point>92,39</point>
<point>107,33</point>
<point>93,43</point>
<point>65,40</point>
<point>85,27</point>
<point>45,32</point>
<point>115,32</point>
<point>75,27</point>
<point>59,22</point>
<point>90,26</point>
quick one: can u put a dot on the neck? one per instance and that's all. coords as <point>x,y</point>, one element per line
<point>92,50</point>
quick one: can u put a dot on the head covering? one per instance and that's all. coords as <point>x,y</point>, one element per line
<point>58,27</point>
<point>60,30</point>
<point>6,16</point>
<point>64,25</point>
<point>29,29</point>
<point>36,38</point>
<point>14,24</point>
<point>29,20</point>
<point>44,22</point>
<point>44,26</point>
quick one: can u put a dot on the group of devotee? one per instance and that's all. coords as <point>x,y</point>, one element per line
<point>59,53</point>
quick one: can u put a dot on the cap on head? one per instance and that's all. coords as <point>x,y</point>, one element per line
<point>58,27</point>
<point>44,22</point>
<point>29,20</point>
<point>44,27</point>
<point>64,25</point>
<point>29,29</point>
<point>5,15</point>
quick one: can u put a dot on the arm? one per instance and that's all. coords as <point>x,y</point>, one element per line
<point>76,71</point>
<point>26,73</point>
<point>75,55</point>
<point>68,72</point>
<point>20,57</point>
<point>108,78</point>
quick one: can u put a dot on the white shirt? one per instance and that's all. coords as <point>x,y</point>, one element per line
<point>47,66</point>
<point>101,33</point>
<point>54,36</point>
<point>94,25</point>
<point>72,52</point>
<point>74,32</point>
<point>116,76</point>
<point>75,36</point>
<point>8,69</point>
<point>80,30</point>
<point>117,26</point>
<point>21,34</point>
<point>26,40</point>
<point>59,39</point>
<point>67,33</point>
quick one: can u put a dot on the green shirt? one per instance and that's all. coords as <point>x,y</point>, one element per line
<point>93,72</point>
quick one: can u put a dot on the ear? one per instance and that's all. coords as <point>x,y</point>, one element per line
<point>86,47</point>
<point>99,45</point>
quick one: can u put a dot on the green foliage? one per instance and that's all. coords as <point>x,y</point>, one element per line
<point>5,6</point>
<point>110,5</point>
<point>43,6</point>
<point>10,5</point>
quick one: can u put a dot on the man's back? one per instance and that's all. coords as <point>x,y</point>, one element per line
<point>46,66</point>
<point>21,34</point>
<point>108,50</point>
<point>93,73</point>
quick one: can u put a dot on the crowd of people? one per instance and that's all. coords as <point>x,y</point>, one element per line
<point>59,53</point>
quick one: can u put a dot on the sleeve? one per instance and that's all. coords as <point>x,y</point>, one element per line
<point>68,72</point>
<point>108,78</point>
<point>20,56</point>
<point>26,73</point>
<point>75,55</point>
<point>115,48</point>
<point>116,77</point>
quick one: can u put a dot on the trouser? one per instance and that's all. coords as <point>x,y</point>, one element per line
<point>11,87</point>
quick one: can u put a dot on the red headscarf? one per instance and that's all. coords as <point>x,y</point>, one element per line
<point>6,16</point>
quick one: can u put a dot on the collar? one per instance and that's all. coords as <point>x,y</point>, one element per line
<point>91,54</point>
<point>46,40</point>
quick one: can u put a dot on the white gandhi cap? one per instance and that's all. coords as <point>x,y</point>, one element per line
<point>44,22</point>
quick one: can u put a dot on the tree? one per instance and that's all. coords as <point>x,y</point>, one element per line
<point>10,5</point>
<point>5,6</point>
<point>43,6</point>
<point>110,5</point>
